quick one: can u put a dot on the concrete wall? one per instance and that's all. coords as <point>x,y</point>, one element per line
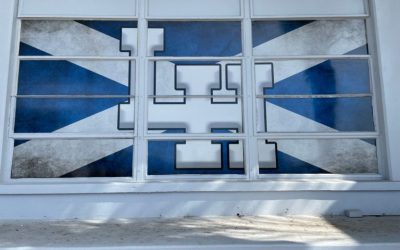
<point>106,206</point>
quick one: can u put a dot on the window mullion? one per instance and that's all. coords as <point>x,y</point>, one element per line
<point>140,142</point>
<point>248,114</point>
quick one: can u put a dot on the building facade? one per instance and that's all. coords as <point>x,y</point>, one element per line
<point>147,108</point>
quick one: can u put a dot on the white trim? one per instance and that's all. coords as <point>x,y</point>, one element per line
<point>324,96</point>
<point>309,17</point>
<point>76,17</point>
<point>72,58</point>
<point>215,136</point>
<point>8,13</point>
<point>80,135</point>
<point>13,80</point>
<point>308,57</point>
<point>316,135</point>
<point>385,14</point>
<point>195,58</point>
<point>73,96</point>
<point>250,150</point>
<point>172,186</point>
<point>140,149</point>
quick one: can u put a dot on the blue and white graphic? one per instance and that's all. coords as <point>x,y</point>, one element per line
<point>182,113</point>
<point>75,158</point>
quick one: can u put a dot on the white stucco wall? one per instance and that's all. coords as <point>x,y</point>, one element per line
<point>117,200</point>
<point>387,19</point>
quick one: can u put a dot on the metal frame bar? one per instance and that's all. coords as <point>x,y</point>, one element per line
<point>195,58</point>
<point>193,96</point>
<point>312,17</point>
<point>317,135</point>
<point>72,96</point>
<point>328,96</point>
<point>375,87</point>
<point>77,58</point>
<point>55,17</point>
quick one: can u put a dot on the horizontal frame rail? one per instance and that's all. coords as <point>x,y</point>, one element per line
<point>313,96</point>
<point>317,135</point>
<point>258,59</point>
<point>309,17</point>
<point>72,58</point>
<point>72,96</point>
<point>194,58</point>
<point>77,135</point>
<point>193,96</point>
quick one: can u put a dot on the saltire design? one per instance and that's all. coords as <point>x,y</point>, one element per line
<point>114,158</point>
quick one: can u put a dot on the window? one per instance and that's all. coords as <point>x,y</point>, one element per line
<point>236,92</point>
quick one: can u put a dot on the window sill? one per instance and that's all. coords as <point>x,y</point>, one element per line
<point>198,186</point>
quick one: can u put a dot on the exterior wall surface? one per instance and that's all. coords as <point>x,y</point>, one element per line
<point>59,200</point>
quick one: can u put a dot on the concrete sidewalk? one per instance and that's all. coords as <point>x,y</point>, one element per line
<point>205,233</point>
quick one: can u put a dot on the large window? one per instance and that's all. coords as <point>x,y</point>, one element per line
<point>242,90</point>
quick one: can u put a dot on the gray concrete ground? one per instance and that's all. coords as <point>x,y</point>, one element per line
<point>207,233</point>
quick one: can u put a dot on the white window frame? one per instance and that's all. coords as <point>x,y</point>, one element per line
<point>249,136</point>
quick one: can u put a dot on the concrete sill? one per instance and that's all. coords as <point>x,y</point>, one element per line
<point>198,186</point>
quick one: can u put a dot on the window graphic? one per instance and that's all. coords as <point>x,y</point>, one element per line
<point>75,97</point>
<point>83,98</point>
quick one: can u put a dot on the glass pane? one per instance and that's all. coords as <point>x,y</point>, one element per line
<point>78,38</point>
<point>72,158</point>
<point>94,115</point>
<point>327,156</point>
<point>195,157</point>
<point>316,115</point>
<point>221,81</point>
<point>313,77</point>
<point>320,37</point>
<point>203,38</point>
<point>196,115</point>
<point>84,77</point>
<point>194,8</point>
<point>314,96</point>
<point>292,8</point>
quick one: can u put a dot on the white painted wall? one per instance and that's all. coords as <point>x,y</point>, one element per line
<point>18,201</point>
<point>388,34</point>
<point>7,13</point>
<point>108,206</point>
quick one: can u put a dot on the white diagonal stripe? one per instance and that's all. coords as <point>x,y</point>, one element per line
<point>70,38</point>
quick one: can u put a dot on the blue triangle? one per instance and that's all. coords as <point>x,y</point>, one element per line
<point>290,165</point>
<point>118,164</point>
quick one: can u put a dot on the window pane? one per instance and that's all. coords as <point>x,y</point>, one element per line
<point>220,81</point>
<point>72,158</point>
<point>194,8</point>
<point>328,156</point>
<point>314,96</point>
<point>203,38</point>
<point>339,37</point>
<point>313,77</point>
<point>78,38</point>
<point>84,77</point>
<point>317,115</point>
<point>308,8</point>
<point>195,157</point>
<point>93,115</point>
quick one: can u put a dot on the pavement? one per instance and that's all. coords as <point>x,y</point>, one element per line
<point>300,232</point>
